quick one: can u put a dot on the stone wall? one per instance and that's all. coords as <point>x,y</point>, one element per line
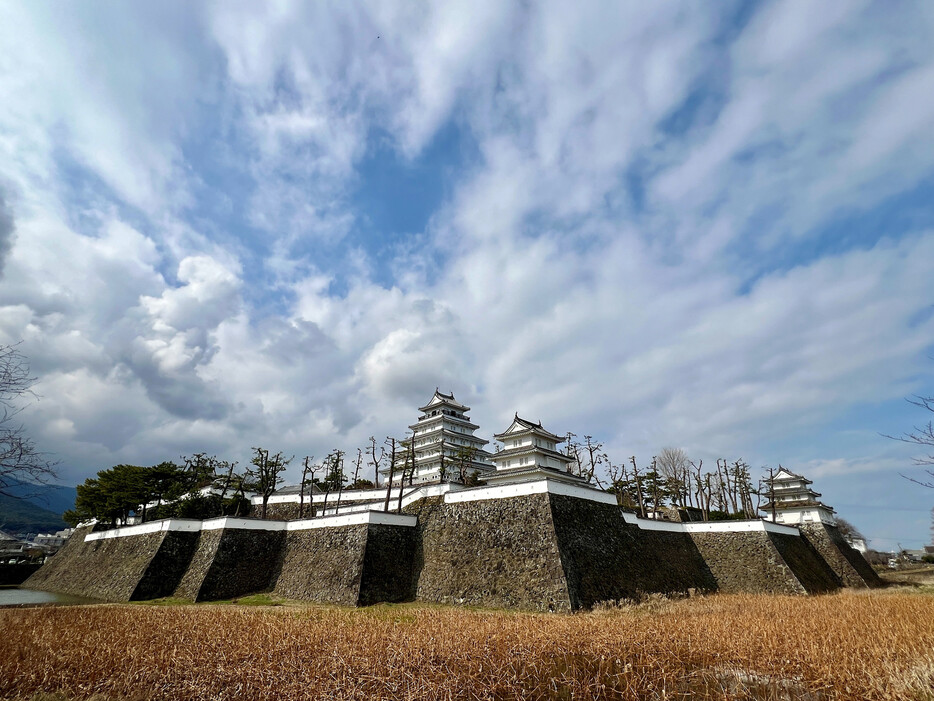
<point>231,562</point>
<point>352,565</point>
<point>746,562</point>
<point>764,562</point>
<point>809,568</point>
<point>848,564</point>
<point>289,511</point>
<point>536,548</point>
<point>322,564</point>
<point>113,569</point>
<point>500,553</point>
<point>167,566</point>
<point>387,565</point>
<point>200,562</point>
<point>285,512</point>
<point>606,559</point>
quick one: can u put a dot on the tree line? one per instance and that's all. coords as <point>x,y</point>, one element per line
<point>204,486</point>
<point>671,480</point>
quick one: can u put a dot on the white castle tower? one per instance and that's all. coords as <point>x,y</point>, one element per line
<point>530,453</point>
<point>444,444</point>
<point>793,501</point>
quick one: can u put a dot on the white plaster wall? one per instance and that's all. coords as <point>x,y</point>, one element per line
<point>364,517</point>
<point>525,488</point>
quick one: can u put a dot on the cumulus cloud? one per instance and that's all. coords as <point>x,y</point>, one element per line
<point>648,239</point>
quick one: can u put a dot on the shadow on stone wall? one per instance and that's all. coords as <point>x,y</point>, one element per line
<point>848,564</point>
<point>805,563</point>
<point>606,559</point>
<point>231,562</point>
<point>116,569</point>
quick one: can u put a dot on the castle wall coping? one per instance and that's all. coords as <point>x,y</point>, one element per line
<point>740,527</point>
<point>373,518</point>
<point>377,518</point>
<point>752,525</point>
<point>544,486</point>
<point>172,524</point>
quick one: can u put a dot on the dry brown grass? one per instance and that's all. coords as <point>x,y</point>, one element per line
<point>844,646</point>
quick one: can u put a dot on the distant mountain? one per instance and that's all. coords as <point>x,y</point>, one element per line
<point>50,497</point>
<point>22,516</point>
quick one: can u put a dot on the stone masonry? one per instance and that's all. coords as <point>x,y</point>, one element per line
<point>538,546</point>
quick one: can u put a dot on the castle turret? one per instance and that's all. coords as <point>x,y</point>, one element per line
<point>530,452</point>
<point>793,502</point>
<point>445,446</point>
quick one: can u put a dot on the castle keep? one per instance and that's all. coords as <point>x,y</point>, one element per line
<point>534,537</point>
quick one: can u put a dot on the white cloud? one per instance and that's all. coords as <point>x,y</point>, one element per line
<point>633,250</point>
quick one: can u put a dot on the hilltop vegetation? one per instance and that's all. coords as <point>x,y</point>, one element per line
<point>21,516</point>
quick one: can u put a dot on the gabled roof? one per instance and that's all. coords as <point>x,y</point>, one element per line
<point>794,505</point>
<point>785,474</point>
<point>520,425</point>
<point>522,450</point>
<point>440,397</point>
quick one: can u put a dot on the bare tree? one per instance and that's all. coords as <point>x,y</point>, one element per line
<point>333,477</point>
<point>265,473</point>
<point>375,460</point>
<point>674,466</point>
<point>20,460</point>
<point>848,530</point>
<point>769,491</point>
<point>922,435</point>
<point>701,487</point>
<point>224,480</point>
<point>341,478</point>
<point>391,442</point>
<point>408,468</point>
<point>572,449</point>
<point>309,469</point>
<point>590,457</point>
<point>638,480</point>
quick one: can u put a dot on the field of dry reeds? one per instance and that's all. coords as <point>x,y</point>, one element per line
<point>845,646</point>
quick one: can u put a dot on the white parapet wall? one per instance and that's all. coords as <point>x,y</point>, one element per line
<point>171,524</point>
<point>745,526</point>
<point>375,518</point>
<point>545,486</point>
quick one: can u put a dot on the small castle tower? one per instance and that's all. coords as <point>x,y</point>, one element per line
<point>530,453</point>
<point>793,502</point>
<point>444,443</point>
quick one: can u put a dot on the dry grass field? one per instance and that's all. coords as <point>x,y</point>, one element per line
<point>851,645</point>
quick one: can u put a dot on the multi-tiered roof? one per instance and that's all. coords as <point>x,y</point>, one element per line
<point>530,452</point>
<point>444,442</point>
<point>792,500</point>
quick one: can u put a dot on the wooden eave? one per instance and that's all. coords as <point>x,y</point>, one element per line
<point>528,428</point>
<point>528,449</point>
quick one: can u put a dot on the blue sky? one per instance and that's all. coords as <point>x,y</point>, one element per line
<point>707,227</point>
